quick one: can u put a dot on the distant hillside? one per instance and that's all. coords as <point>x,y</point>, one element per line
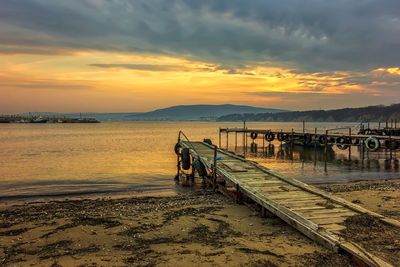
<point>175,113</point>
<point>365,114</point>
<point>198,112</point>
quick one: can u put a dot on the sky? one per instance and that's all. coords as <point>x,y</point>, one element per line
<point>140,55</point>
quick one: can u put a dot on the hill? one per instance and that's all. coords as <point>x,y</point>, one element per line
<point>364,114</point>
<point>199,112</point>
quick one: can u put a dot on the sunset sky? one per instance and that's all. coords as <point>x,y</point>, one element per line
<point>139,55</point>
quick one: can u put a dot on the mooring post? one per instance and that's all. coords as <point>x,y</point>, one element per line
<point>264,144</point>
<point>245,133</point>
<point>391,124</point>
<point>178,165</point>
<point>326,144</point>
<point>227,140</point>
<point>219,144</point>
<point>235,140</point>
<point>315,147</point>
<point>304,127</point>
<point>390,144</point>
<point>395,123</point>
<point>292,140</point>
<point>379,125</point>
<point>238,194</point>
<point>244,144</point>
<point>386,124</point>
<point>244,138</point>
<point>214,178</point>
<point>326,152</point>
<point>350,143</point>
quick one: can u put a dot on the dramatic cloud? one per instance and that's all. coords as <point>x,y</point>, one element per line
<point>308,35</point>
<point>136,55</point>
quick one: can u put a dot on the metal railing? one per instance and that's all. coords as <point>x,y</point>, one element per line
<point>213,167</point>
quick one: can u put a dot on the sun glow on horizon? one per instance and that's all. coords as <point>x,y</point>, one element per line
<point>100,81</point>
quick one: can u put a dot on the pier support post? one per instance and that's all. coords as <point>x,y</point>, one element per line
<point>227,140</point>
<point>178,164</point>
<point>292,140</point>
<point>238,197</point>
<point>315,147</point>
<point>214,177</point>
<point>235,141</point>
<point>219,144</point>
<point>350,143</point>
<point>264,144</point>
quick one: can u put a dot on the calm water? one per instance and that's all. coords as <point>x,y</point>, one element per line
<point>129,158</point>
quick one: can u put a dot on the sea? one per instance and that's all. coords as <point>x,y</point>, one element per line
<point>59,161</point>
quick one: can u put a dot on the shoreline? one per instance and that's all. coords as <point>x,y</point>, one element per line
<point>197,227</point>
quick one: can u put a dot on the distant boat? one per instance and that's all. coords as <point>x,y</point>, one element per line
<point>39,120</point>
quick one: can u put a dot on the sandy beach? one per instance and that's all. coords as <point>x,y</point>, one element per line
<point>199,228</point>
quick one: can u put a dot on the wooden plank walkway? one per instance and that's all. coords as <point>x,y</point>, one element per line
<point>314,212</point>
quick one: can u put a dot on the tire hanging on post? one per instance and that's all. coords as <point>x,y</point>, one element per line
<point>176,148</point>
<point>186,160</point>
<point>341,143</point>
<point>391,144</point>
<point>207,141</point>
<point>372,144</point>
<point>307,138</point>
<point>270,137</point>
<point>200,168</point>
<point>322,139</point>
<point>280,137</point>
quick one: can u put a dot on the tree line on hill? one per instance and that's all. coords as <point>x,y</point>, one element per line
<point>365,114</point>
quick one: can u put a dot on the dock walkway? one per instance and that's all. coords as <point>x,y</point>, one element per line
<point>314,212</point>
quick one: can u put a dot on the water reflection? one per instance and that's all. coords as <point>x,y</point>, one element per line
<point>61,159</point>
<point>317,164</point>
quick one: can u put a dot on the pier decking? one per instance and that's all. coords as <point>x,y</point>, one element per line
<point>314,212</point>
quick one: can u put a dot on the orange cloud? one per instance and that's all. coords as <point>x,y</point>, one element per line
<point>394,71</point>
<point>94,81</point>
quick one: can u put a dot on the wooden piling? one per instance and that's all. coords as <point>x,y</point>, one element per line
<point>219,144</point>
<point>292,140</point>
<point>235,141</point>
<point>350,143</point>
<point>227,140</point>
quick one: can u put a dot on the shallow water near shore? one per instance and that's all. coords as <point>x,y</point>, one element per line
<point>63,160</point>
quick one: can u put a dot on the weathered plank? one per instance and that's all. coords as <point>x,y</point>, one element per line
<point>315,213</point>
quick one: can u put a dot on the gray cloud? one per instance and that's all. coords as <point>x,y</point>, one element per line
<point>151,67</point>
<point>310,35</point>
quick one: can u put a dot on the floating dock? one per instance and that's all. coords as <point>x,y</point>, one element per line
<point>314,212</point>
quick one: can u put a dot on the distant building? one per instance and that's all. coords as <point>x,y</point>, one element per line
<point>211,118</point>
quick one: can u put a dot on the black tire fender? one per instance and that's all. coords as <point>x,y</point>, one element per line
<point>253,147</point>
<point>185,158</point>
<point>322,139</point>
<point>355,141</point>
<point>207,141</point>
<point>200,168</point>
<point>270,137</point>
<point>176,148</point>
<point>307,138</point>
<point>391,144</point>
<point>372,143</point>
<point>253,135</point>
<point>280,137</point>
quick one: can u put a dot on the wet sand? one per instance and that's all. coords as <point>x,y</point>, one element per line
<point>200,228</point>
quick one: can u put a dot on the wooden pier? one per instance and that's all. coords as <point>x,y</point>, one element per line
<point>314,212</point>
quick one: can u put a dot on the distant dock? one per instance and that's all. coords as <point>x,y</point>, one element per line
<point>44,119</point>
